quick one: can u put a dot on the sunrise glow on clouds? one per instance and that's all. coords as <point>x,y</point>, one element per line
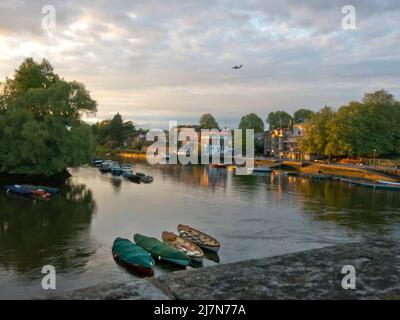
<point>155,62</point>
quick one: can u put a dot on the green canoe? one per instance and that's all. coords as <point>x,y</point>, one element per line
<point>161,250</point>
<point>132,256</point>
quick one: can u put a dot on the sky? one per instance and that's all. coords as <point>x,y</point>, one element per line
<point>158,61</point>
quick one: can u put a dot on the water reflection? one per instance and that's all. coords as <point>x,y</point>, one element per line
<point>37,233</point>
<point>252,216</point>
<point>116,183</point>
<point>354,207</point>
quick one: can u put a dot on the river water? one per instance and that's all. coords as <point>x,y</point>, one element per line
<point>252,216</point>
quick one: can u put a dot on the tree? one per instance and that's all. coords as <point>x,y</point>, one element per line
<point>279,119</point>
<point>207,121</point>
<point>366,128</point>
<point>41,131</point>
<point>317,131</point>
<point>252,121</point>
<point>302,115</point>
<point>115,132</point>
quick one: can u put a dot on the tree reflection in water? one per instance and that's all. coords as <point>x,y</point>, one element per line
<point>355,207</point>
<point>33,234</point>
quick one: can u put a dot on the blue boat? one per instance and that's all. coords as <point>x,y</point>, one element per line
<point>19,190</point>
<point>372,184</point>
<point>262,169</point>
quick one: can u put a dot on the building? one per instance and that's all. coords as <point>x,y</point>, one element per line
<point>284,144</point>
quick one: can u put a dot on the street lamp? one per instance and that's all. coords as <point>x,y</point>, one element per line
<point>374,157</point>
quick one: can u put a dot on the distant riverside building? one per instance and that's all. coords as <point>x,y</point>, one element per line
<point>283,143</point>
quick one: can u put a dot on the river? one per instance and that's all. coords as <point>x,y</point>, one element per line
<point>252,216</point>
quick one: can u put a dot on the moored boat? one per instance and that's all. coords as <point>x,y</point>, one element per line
<point>200,238</point>
<point>161,251</point>
<point>373,184</point>
<point>189,248</point>
<point>27,192</point>
<point>262,169</point>
<point>132,177</point>
<point>42,188</point>
<point>390,183</point>
<point>97,162</point>
<point>116,169</point>
<point>132,256</point>
<point>126,169</point>
<point>144,178</point>
<point>106,166</point>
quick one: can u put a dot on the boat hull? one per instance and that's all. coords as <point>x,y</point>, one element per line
<point>200,238</point>
<point>189,248</point>
<point>161,251</point>
<point>132,256</point>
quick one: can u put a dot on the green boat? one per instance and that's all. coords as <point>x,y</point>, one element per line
<point>161,251</point>
<point>132,256</point>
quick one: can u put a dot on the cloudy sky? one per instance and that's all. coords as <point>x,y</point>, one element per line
<point>155,61</point>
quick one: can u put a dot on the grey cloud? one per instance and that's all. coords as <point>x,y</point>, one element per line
<point>149,57</point>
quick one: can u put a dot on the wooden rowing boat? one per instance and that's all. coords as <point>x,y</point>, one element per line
<point>200,238</point>
<point>192,250</point>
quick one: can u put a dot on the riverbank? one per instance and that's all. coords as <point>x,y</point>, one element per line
<point>332,170</point>
<point>311,274</point>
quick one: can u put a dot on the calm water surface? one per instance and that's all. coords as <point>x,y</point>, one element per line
<point>253,216</point>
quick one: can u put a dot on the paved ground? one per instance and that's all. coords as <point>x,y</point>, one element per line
<point>312,274</point>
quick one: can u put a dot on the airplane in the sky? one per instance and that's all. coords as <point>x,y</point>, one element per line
<point>237,67</point>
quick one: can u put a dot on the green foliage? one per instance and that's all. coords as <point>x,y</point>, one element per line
<point>279,119</point>
<point>252,121</point>
<point>207,121</point>
<point>302,115</point>
<point>357,129</point>
<point>113,133</point>
<point>40,128</point>
<point>317,131</point>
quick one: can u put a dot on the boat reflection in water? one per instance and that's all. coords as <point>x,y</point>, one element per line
<point>32,233</point>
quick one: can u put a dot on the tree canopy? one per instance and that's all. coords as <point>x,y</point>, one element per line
<point>41,131</point>
<point>114,132</point>
<point>279,119</point>
<point>364,128</point>
<point>302,115</point>
<point>252,121</point>
<point>207,121</point>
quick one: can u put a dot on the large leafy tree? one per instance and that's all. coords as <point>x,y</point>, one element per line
<point>115,132</point>
<point>252,121</point>
<point>302,115</point>
<point>41,131</point>
<point>372,125</point>
<point>364,128</point>
<point>279,119</point>
<point>207,121</point>
<point>317,131</point>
